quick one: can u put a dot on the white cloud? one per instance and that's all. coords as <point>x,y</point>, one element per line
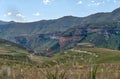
<point>80,2</point>
<point>9,13</point>
<point>46,1</point>
<point>93,3</point>
<point>37,14</point>
<point>20,15</point>
<point>16,16</point>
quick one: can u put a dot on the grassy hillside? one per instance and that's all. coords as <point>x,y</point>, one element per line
<point>11,52</point>
<point>84,56</point>
<point>77,63</point>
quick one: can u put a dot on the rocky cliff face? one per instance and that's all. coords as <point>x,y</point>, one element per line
<point>76,35</point>
<point>63,41</point>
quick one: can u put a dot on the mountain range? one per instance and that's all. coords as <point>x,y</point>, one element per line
<point>55,25</point>
<point>101,29</point>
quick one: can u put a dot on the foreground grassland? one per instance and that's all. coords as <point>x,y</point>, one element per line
<point>77,63</point>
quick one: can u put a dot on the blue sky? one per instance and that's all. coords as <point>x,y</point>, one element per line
<point>34,10</point>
